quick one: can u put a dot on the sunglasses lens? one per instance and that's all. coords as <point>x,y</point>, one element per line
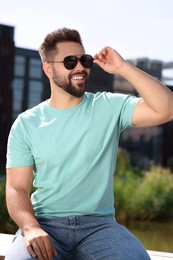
<point>70,62</point>
<point>86,61</point>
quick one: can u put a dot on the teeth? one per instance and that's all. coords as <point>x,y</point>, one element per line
<point>77,77</point>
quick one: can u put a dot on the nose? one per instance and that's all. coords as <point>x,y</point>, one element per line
<point>79,65</point>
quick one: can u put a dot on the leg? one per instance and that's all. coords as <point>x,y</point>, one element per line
<point>111,241</point>
<point>18,250</point>
<point>57,230</point>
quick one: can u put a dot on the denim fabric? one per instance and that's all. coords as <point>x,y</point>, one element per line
<point>84,237</point>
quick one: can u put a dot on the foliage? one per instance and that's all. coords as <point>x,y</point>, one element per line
<point>144,195</point>
<point>123,164</point>
<point>153,197</point>
<point>170,163</point>
<point>7,224</point>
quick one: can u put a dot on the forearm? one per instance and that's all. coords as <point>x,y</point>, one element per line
<point>20,209</point>
<point>37,241</point>
<point>156,95</point>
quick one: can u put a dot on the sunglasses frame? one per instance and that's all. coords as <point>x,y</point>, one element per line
<point>71,64</point>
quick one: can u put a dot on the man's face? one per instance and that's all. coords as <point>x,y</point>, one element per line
<point>72,81</point>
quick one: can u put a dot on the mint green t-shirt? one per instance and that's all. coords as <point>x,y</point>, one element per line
<point>73,152</point>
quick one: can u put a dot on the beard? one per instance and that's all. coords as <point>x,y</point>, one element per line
<point>76,90</point>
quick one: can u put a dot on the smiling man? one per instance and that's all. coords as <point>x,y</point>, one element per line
<point>68,145</point>
<point>76,81</point>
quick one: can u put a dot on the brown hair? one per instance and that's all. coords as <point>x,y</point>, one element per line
<point>48,46</point>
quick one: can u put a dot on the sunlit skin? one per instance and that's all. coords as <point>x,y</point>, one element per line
<point>75,84</point>
<point>67,86</point>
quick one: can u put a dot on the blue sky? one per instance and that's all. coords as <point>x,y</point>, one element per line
<point>135,28</point>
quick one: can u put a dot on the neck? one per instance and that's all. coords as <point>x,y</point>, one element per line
<point>63,100</point>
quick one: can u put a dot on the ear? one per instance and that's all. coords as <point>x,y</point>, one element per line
<point>47,69</point>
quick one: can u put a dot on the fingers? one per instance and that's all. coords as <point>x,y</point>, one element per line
<point>109,60</point>
<point>41,247</point>
<point>41,251</point>
<point>50,250</point>
<point>34,250</point>
<point>102,55</point>
<point>30,250</point>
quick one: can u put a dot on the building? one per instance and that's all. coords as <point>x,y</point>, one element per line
<point>29,85</point>
<point>6,76</point>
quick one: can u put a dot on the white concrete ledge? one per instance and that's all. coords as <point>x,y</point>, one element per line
<point>5,242</point>
<point>155,255</point>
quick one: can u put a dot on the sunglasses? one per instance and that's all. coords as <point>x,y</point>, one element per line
<point>71,61</point>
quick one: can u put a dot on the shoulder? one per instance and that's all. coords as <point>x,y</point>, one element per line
<point>112,99</point>
<point>30,116</point>
<point>106,95</point>
<point>34,111</point>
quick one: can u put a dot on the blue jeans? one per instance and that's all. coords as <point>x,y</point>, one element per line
<point>84,237</point>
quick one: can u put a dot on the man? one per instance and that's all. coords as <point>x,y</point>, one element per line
<point>68,143</point>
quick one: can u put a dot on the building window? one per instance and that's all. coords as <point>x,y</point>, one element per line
<point>17,87</point>
<point>35,92</point>
<point>19,68</point>
<point>35,68</point>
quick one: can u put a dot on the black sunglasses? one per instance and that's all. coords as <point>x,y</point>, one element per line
<point>71,61</point>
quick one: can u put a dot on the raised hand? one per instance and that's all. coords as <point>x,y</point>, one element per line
<point>109,60</point>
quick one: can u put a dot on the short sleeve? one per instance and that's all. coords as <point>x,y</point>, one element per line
<point>127,111</point>
<point>124,106</point>
<point>18,148</point>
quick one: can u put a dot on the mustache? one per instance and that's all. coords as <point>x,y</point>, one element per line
<point>79,73</point>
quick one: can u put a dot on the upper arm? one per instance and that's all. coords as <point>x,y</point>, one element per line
<point>144,116</point>
<point>19,178</point>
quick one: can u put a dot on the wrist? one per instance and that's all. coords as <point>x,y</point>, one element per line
<point>30,226</point>
<point>128,71</point>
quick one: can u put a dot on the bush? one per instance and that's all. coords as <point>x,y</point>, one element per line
<point>170,163</point>
<point>148,197</point>
<point>123,164</point>
<point>153,198</point>
<point>125,179</point>
<point>7,224</point>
